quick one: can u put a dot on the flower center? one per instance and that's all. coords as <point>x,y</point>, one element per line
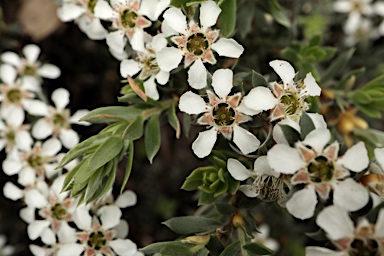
<point>150,66</point>
<point>366,247</point>
<point>29,70</point>
<point>97,240</point>
<point>35,161</point>
<point>91,5</point>
<point>224,114</point>
<point>320,170</point>
<point>197,44</point>
<point>59,212</point>
<point>128,18</point>
<point>10,135</point>
<point>14,96</point>
<point>60,120</point>
<point>290,102</point>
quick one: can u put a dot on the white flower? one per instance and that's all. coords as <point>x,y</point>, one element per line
<point>58,121</point>
<point>196,43</point>
<point>321,170</point>
<point>363,32</point>
<point>5,250</point>
<point>14,135</point>
<point>262,237</point>
<point>82,11</point>
<point>287,99</point>
<point>223,113</point>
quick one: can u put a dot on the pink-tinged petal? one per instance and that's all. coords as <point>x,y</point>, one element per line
<point>11,191</point>
<point>332,150</point>
<point>379,227</point>
<point>277,113</point>
<point>69,12</point>
<point>320,251</point>
<point>103,10</point>
<point>129,67</point>
<point>300,177</point>
<point>306,154</point>
<point>260,98</point>
<point>74,119</point>
<point>110,216</point>
<point>82,218</point>
<point>244,140</point>
<point>7,74</point>
<point>303,203</point>
<point>27,176</point>
<point>35,229</point>
<point>191,103</point>
<point>204,143</point>
<point>60,97</point>
<point>238,170</point>
<point>197,75</point>
<point>11,166</point>
<point>176,20</point>
<point>249,190</point>
<point>228,48</point>
<point>284,159</point>
<point>69,138</point>
<point>116,41</point>
<point>277,132</point>
<point>66,234</point>
<point>162,77</point>
<point>48,237</point>
<point>35,107</point>
<point>323,190</point>
<point>317,139</point>
<point>261,167</point>
<point>73,249</point>
<point>356,158</point>
<point>222,82</point>
<point>49,71</point>
<point>27,214</point>
<point>123,246</point>
<point>169,58</point>
<point>379,155</point>
<point>150,88</point>
<point>189,59</point>
<point>127,199</point>
<point>153,8</point>
<point>209,12</point>
<point>284,70</point>
<point>34,199</point>
<point>242,108</point>
<point>137,41</point>
<point>42,129</point>
<point>234,100</point>
<point>311,87</point>
<point>11,58</point>
<point>209,57</point>
<point>350,195</point>
<point>31,52</point>
<point>51,147</point>
<point>335,222</point>
<point>143,22</point>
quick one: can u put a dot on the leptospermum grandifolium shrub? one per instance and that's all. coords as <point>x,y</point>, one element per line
<point>287,116</point>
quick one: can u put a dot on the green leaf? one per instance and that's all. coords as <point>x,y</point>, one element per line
<point>258,249</point>
<point>306,125</point>
<point>69,178</point>
<point>156,247</point>
<point>106,152</point>
<point>175,250</point>
<point>108,179</point>
<point>128,169</point>
<point>195,179</point>
<point>376,82</point>
<point>344,80</point>
<point>368,110</point>
<point>316,40</point>
<point>173,120</point>
<point>227,17</point>
<point>97,182</point>
<point>206,198</point>
<point>134,130</point>
<point>278,14</point>
<point>178,3</point>
<point>258,80</point>
<point>361,96</point>
<point>112,114</point>
<point>214,246</point>
<point>152,137</point>
<point>232,249</point>
<point>290,134</point>
<point>337,65</point>
<point>224,208</point>
<point>192,224</point>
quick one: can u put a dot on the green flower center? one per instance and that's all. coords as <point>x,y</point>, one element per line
<point>60,120</point>
<point>97,240</point>
<point>321,170</point>
<point>224,114</point>
<point>35,161</point>
<point>29,70</point>
<point>197,44</point>
<point>368,247</point>
<point>59,212</point>
<point>290,102</point>
<point>10,136</point>
<point>91,5</point>
<point>128,18</point>
<point>14,96</point>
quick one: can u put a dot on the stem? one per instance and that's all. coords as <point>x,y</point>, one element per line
<point>163,106</point>
<point>240,233</point>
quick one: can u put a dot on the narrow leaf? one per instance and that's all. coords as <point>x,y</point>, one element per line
<point>258,249</point>
<point>129,166</point>
<point>192,224</point>
<point>175,250</point>
<point>135,130</point>
<point>112,114</point>
<point>337,65</point>
<point>152,137</point>
<point>227,17</point>
<point>232,249</point>
<point>106,152</point>
<point>173,120</point>
<point>278,14</point>
<point>137,88</point>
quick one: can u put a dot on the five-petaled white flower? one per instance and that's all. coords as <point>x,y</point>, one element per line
<point>196,43</point>
<point>223,113</point>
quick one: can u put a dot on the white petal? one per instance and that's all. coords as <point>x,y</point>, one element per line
<point>204,143</point>
<point>31,52</point>
<point>209,12</point>
<point>228,48</point>
<point>11,191</point>
<point>303,203</point>
<point>379,227</point>
<point>249,190</point>
<point>356,158</point>
<point>126,199</point>
<point>48,237</point>
<point>350,195</point>
<point>169,58</point>
<point>42,129</point>
<point>260,98</point>
<point>27,176</point>
<point>242,108</point>
<point>176,20</point>
<point>335,222</point>
<point>34,199</point>
<point>167,30</point>
<point>27,214</point>
<point>162,77</point>
<point>66,234</point>
<point>74,119</point>
<point>110,216</point>
<point>311,87</point>
<point>36,228</point>
<point>284,70</point>
<point>317,139</point>
<point>31,83</point>
<point>123,246</point>
<point>11,58</point>
<point>61,98</point>
<point>191,103</point>
<point>51,147</point>
<point>246,141</point>
<point>153,8</point>
<point>197,75</point>
<point>103,10</point>
<point>343,6</point>
<point>7,74</point>
<point>261,167</point>
<point>129,67</point>
<point>35,107</point>
<point>116,40</point>
<point>284,159</point>
<point>11,166</point>
<point>69,138</point>
<point>320,251</point>
<point>92,28</point>
<point>353,23</point>
<point>158,41</point>
<point>122,229</point>
<point>150,88</point>
<point>379,155</point>
<point>69,12</point>
<point>11,110</point>
<point>222,82</point>
<point>137,41</point>
<point>318,120</point>
<point>118,55</point>
<point>49,71</point>
<point>37,250</point>
<point>82,218</point>
<point>277,132</point>
<point>23,140</point>
<point>70,250</point>
<point>238,170</point>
